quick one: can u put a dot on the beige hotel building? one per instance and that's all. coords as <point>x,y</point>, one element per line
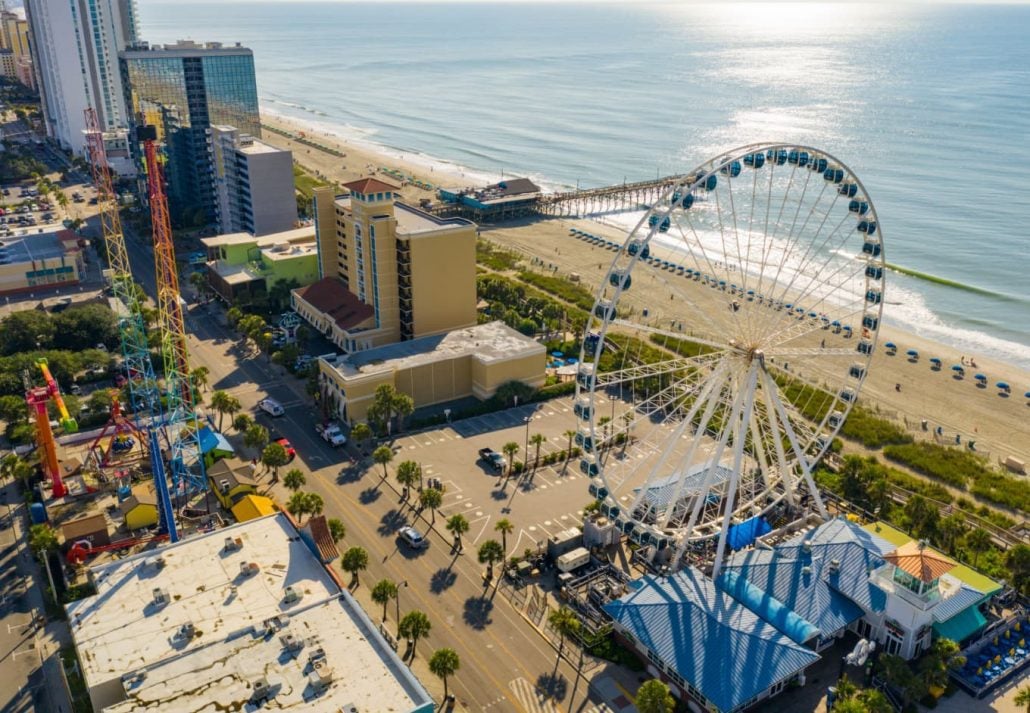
<point>397,295</point>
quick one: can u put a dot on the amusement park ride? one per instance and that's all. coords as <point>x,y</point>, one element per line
<point>37,398</point>
<point>176,425</point>
<point>768,264</point>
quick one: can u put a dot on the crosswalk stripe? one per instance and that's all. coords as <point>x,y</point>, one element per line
<point>526,694</point>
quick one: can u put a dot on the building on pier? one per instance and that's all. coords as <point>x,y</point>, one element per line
<point>508,199</point>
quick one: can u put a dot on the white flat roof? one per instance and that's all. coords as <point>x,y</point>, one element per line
<point>222,676</point>
<point>286,236</point>
<point>122,630</point>
<point>490,342</point>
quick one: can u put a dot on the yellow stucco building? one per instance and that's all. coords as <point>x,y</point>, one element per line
<point>463,362</point>
<point>390,272</point>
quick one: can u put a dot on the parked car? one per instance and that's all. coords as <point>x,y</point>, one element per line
<point>271,407</point>
<point>291,452</point>
<point>413,538</point>
<point>331,434</point>
<point>493,459</point>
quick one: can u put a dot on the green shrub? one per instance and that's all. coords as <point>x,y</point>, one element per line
<point>949,465</point>
<point>494,257</point>
<point>683,347</point>
<point>571,292</point>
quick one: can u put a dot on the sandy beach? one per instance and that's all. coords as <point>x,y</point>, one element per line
<point>997,424</point>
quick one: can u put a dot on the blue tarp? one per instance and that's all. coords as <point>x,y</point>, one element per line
<point>744,534</point>
<point>211,440</point>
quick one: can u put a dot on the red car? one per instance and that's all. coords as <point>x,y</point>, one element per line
<point>291,452</point>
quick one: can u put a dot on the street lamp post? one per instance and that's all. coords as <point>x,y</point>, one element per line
<point>398,600</point>
<point>525,452</point>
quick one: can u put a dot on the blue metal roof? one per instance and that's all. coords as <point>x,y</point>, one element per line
<point>212,440</point>
<point>965,598</point>
<point>822,576</point>
<point>719,646</point>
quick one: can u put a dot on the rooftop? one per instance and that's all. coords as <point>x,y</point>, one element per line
<point>364,186</point>
<point>410,220</point>
<point>918,560</point>
<point>196,623</point>
<point>331,298</point>
<point>183,48</point>
<point>37,246</point>
<point>303,235</point>
<point>490,342</point>
<point>716,644</point>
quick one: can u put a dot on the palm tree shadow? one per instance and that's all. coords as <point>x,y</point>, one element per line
<point>390,523</point>
<point>552,685</point>
<point>477,612</point>
<point>442,580</point>
<point>369,496</point>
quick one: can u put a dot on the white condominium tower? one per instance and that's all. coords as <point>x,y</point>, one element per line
<point>75,45</point>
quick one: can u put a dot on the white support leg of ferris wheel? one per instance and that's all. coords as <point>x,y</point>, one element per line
<point>781,456</point>
<point>806,468</point>
<point>715,382</point>
<point>740,418</point>
<point>699,434</point>
<point>710,474</point>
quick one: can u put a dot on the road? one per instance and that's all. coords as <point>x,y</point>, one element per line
<point>504,660</point>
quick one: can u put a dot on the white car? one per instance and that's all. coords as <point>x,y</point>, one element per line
<point>271,407</point>
<point>331,434</point>
<point>413,538</point>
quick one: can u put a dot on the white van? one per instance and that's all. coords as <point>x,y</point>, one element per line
<point>271,407</point>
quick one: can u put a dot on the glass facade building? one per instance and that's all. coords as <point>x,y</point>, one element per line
<point>183,90</point>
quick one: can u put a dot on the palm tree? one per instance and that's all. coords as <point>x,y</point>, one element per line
<point>353,561</point>
<point>43,541</point>
<point>383,455</point>
<point>414,626</point>
<point>504,527</point>
<point>952,528</point>
<point>294,480</point>
<point>223,403</point>
<point>653,697</point>
<point>845,688</point>
<point>563,621</point>
<point>979,540</point>
<point>407,475</point>
<point>457,525</point>
<point>490,552</point>
<point>510,449</point>
<point>1023,698</point>
<point>568,451</point>
<point>383,592</point>
<point>199,376</point>
<point>431,498</point>
<point>360,433</point>
<point>879,491</point>
<point>337,530</point>
<point>297,505</point>
<point>256,437</point>
<point>537,439</point>
<point>273,457</point>
<point>315,504</point>
<point>242,422</point>
<point>944,655</point>
<point>444,663</point>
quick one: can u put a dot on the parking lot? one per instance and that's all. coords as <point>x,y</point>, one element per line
<point>539,505</point>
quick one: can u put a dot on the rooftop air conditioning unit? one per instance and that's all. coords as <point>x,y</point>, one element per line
<point>223,486</point>
<point>291,595</point>
<point>160,597</point>
<point>292,642</point>
<point>806,547</point>
<point>806,571</point>
<point>261,690</point>
<point>835,565</point>
<point>249,568</point>
<point>187,631</point>
<point>233,543</point>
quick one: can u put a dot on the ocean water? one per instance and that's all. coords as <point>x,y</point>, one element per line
<point>927,103</point>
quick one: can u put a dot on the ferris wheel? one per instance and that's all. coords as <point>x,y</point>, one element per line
<point>727,345</point>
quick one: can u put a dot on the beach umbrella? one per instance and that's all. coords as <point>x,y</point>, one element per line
<point>1027,395</point>
<point>957,367</point>
<point>980,377</point>
<point>912,353</point>
<point>891,345</point>
<point>813,315</point>
<point>1003,386</point>
<point>835,323</point>
<point>935,360</point>
<point>557,354</point>
<point>847,328</point>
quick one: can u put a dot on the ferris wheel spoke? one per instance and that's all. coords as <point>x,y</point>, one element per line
<point>702,341</point>
<point>805,326</point>
<point>641,371</point>
<point>799,453</point>
<point>740,421</point>
<point>777,441</point>
<point>709,398</point>
<point>808,352</point>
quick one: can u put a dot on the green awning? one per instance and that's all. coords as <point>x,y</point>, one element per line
<point>961,626</point>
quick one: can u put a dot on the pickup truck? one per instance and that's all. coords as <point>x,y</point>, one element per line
<point>331,434</point>
<point>494,459</point>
